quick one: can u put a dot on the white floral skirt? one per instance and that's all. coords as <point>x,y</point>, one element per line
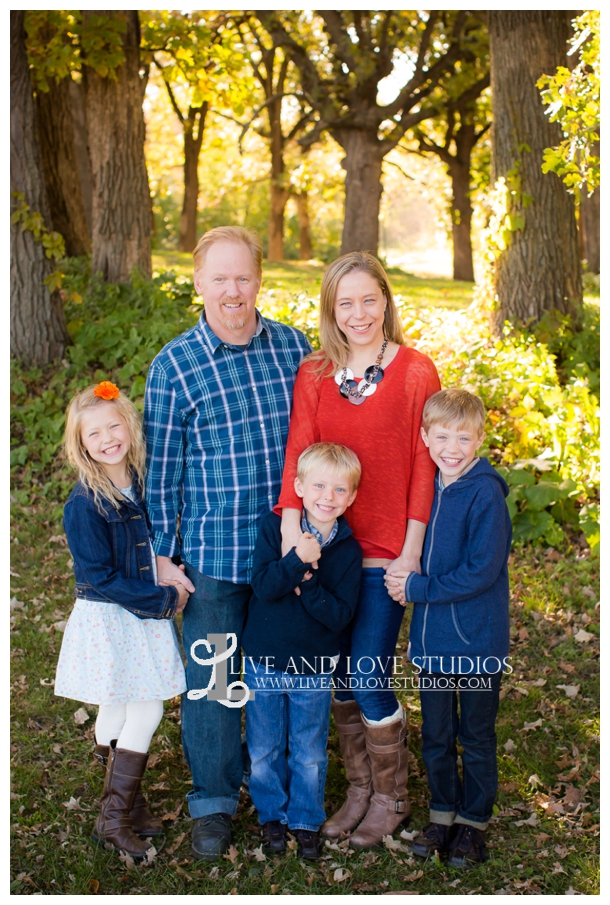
<point>109,656</point>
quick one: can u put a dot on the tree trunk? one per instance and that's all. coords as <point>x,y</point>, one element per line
<point>362,165</point>
<point>589,225</point>
<point>279,194</point>
<point>540,269</point>
<point>121,200</point>
<point>305,245</point>
<point>81,150</point>
<point>59,164</point>
<point>461,218</point>
<point>192,147</point>
<point>38,331</point>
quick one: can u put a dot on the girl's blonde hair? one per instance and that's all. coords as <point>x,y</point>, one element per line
<point>334,346</point>
<point>90,472</point>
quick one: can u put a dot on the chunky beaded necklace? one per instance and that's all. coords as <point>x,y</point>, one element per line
<point>356,392</point>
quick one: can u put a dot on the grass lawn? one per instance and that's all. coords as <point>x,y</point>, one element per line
<point>291,277</point>
<point>544,836</point>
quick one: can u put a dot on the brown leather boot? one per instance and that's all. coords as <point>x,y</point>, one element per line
<point>143,822</point>
<point>123,774</point>
<point>389,807</point>
<point>357,769</point>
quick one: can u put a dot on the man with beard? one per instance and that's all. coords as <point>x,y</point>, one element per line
<point>216,414</point>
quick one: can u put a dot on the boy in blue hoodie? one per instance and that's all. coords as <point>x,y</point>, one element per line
<point>291,647</point>
<point>459,633</point>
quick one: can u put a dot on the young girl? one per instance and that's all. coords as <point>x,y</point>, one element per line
<point>119,648</point>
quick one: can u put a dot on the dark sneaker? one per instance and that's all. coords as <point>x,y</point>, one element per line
<point>211,836</point>
<point>274,836</point>
<point>468,848</point>
<point>308,843</point>
<point>435,837</point>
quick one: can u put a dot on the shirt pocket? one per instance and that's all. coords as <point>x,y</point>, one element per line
<point>457,625</point>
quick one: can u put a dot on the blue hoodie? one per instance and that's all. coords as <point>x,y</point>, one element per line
<point>461,599</point>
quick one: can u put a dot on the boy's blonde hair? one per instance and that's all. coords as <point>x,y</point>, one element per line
<point>90,472</point>
<point>454,407</point>
<point>334,345</point>
<point>343,460</point>
<point>229,234</point>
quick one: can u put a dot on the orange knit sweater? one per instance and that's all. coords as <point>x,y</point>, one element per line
<point>397,472</point>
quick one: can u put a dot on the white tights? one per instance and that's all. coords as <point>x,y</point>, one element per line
<point>133,725</point>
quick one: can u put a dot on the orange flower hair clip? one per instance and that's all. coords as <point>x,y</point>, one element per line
<point>106,390</point>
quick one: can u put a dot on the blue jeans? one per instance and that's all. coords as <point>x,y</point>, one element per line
<point>287,731</point>
<point>469,800</point>
<point>367,647</point>
<point>211,732</point>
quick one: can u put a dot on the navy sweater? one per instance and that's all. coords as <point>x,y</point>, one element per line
<point>461,599</point>
<point>296,632</point>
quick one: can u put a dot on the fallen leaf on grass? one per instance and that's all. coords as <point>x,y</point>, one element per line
<point>535,725</point>
<point>259,853</point>
<point>47,682</point>
<point>73,804</point>
<point>509,746</point>
<point>539,683</point>
<point>534,780</point>
<point>416,875</point>
<point>81,716</point>
<point>171,815</point>
<point>60,626</point>
<point>341,874</point>
<point>232,854</point>
<point>16,604</point>
<point>401,892</point>
<point>570,690</point>
<point>557,868</point>
<point>405,834</point>
<point>127,860</point>
<point>174,848</point>
<point>532,820</point>
<point>93,885</point>
<point>583,637</point>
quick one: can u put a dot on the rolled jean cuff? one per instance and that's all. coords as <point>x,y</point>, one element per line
<point>304,826</point>
<point>201,807</point>
<point>477,824</point>
<point>445,818</point>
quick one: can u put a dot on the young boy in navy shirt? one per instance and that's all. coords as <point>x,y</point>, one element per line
<point>291,647</point>
<point>459,633</point>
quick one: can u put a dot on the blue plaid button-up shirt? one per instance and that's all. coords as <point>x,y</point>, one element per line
<point>216,419</point>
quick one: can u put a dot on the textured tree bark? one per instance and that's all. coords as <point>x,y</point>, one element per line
<point>60,167</point>
<point>362,164</point>
<point>540,269</point>
<point>305,243</point>
<point>38,331</point>
<point>121,200</point>
<point>279,194</point>
<point>589,225</point>
<point>461,218</point>
<point>81,150</point>
<point>194,127</point>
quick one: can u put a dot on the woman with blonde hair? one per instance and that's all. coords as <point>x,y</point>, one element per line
<point>366,389</point>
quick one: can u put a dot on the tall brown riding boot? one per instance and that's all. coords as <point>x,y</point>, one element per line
<point>357,769</point>
<point>123,774</point>
<point>143,822</point>
<point>389,807</point>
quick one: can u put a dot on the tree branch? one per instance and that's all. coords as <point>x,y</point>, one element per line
<point>335,28</point>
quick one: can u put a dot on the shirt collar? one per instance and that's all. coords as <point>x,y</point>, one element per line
<point>306,526</point>
<point>214,342</point>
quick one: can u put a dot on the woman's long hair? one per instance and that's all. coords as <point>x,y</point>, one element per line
<point>90,472</point>
<point>334,345</point>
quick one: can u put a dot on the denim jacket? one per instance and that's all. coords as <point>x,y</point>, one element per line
<point>112,555</point>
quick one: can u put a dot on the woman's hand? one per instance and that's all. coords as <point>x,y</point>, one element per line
<point>169,571</point>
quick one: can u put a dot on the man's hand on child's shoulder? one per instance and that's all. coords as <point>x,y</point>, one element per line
<point>307,548</point>
<point>395,585</point>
